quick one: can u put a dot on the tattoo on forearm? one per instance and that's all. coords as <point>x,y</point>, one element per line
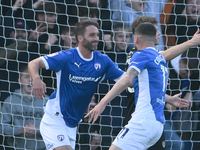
<point>132,72</point>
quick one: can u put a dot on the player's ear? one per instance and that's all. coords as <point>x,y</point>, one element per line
<point>80,38</point>
<point>136,39</point>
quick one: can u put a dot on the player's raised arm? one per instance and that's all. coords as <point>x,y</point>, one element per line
<point>120,85</point>
<point>39,87</point>
<point>174,51</point>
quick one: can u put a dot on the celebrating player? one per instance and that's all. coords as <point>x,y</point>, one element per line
<point>78,71</point>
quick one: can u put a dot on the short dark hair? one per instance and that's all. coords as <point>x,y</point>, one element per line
<point>143,19</point>
<point>23,69</point>
<point>146,30</point>
<point>81,26</point>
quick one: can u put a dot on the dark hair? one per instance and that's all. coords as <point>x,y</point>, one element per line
<point>23,69</point>
<point>143,19</point>
<point>146,29</point>
<point>81,26</point>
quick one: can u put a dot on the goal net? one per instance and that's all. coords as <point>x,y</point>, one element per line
<point>30,29</point>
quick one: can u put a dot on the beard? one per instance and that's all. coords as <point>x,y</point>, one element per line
<point>91,46</point>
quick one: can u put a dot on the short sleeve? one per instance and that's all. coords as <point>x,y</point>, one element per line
<point>55,61</point>
<point>139,61</point>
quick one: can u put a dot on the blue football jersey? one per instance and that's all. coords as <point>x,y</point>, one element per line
<point>77,81</point>
<point>151,83</point>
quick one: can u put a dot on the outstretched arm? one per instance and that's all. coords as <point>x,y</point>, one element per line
<point>39,87</point>
<point>120,85</point>
<point>175,51</point>
<point>176,101</point>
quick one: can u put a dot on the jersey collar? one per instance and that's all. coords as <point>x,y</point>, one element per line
<point>79,53</point>
<point>152,48</point>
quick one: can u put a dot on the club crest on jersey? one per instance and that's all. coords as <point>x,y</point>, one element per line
<point>60,137</point>
<point>97,66</point>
